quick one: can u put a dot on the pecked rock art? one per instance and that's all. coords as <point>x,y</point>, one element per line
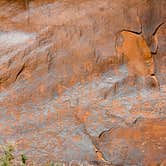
<point>84,81</point>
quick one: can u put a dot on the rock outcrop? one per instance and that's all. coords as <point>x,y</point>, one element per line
<point>84,81</point>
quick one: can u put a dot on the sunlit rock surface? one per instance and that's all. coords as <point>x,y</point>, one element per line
<point>84,81</point>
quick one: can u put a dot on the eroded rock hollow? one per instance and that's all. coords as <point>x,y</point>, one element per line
<point>84,81</point>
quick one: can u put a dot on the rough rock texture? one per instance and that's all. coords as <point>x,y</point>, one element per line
<point>84,80</point>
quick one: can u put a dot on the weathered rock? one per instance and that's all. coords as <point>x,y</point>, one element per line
<point>142,144</point>
<point>79,78</point>
<point>160,56</point>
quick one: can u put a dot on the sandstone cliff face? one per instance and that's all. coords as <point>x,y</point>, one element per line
<point>84,80</point>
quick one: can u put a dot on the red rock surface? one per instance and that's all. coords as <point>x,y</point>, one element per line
<point>84,80</point>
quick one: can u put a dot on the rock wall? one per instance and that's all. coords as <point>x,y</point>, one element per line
<point>84,80</point>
